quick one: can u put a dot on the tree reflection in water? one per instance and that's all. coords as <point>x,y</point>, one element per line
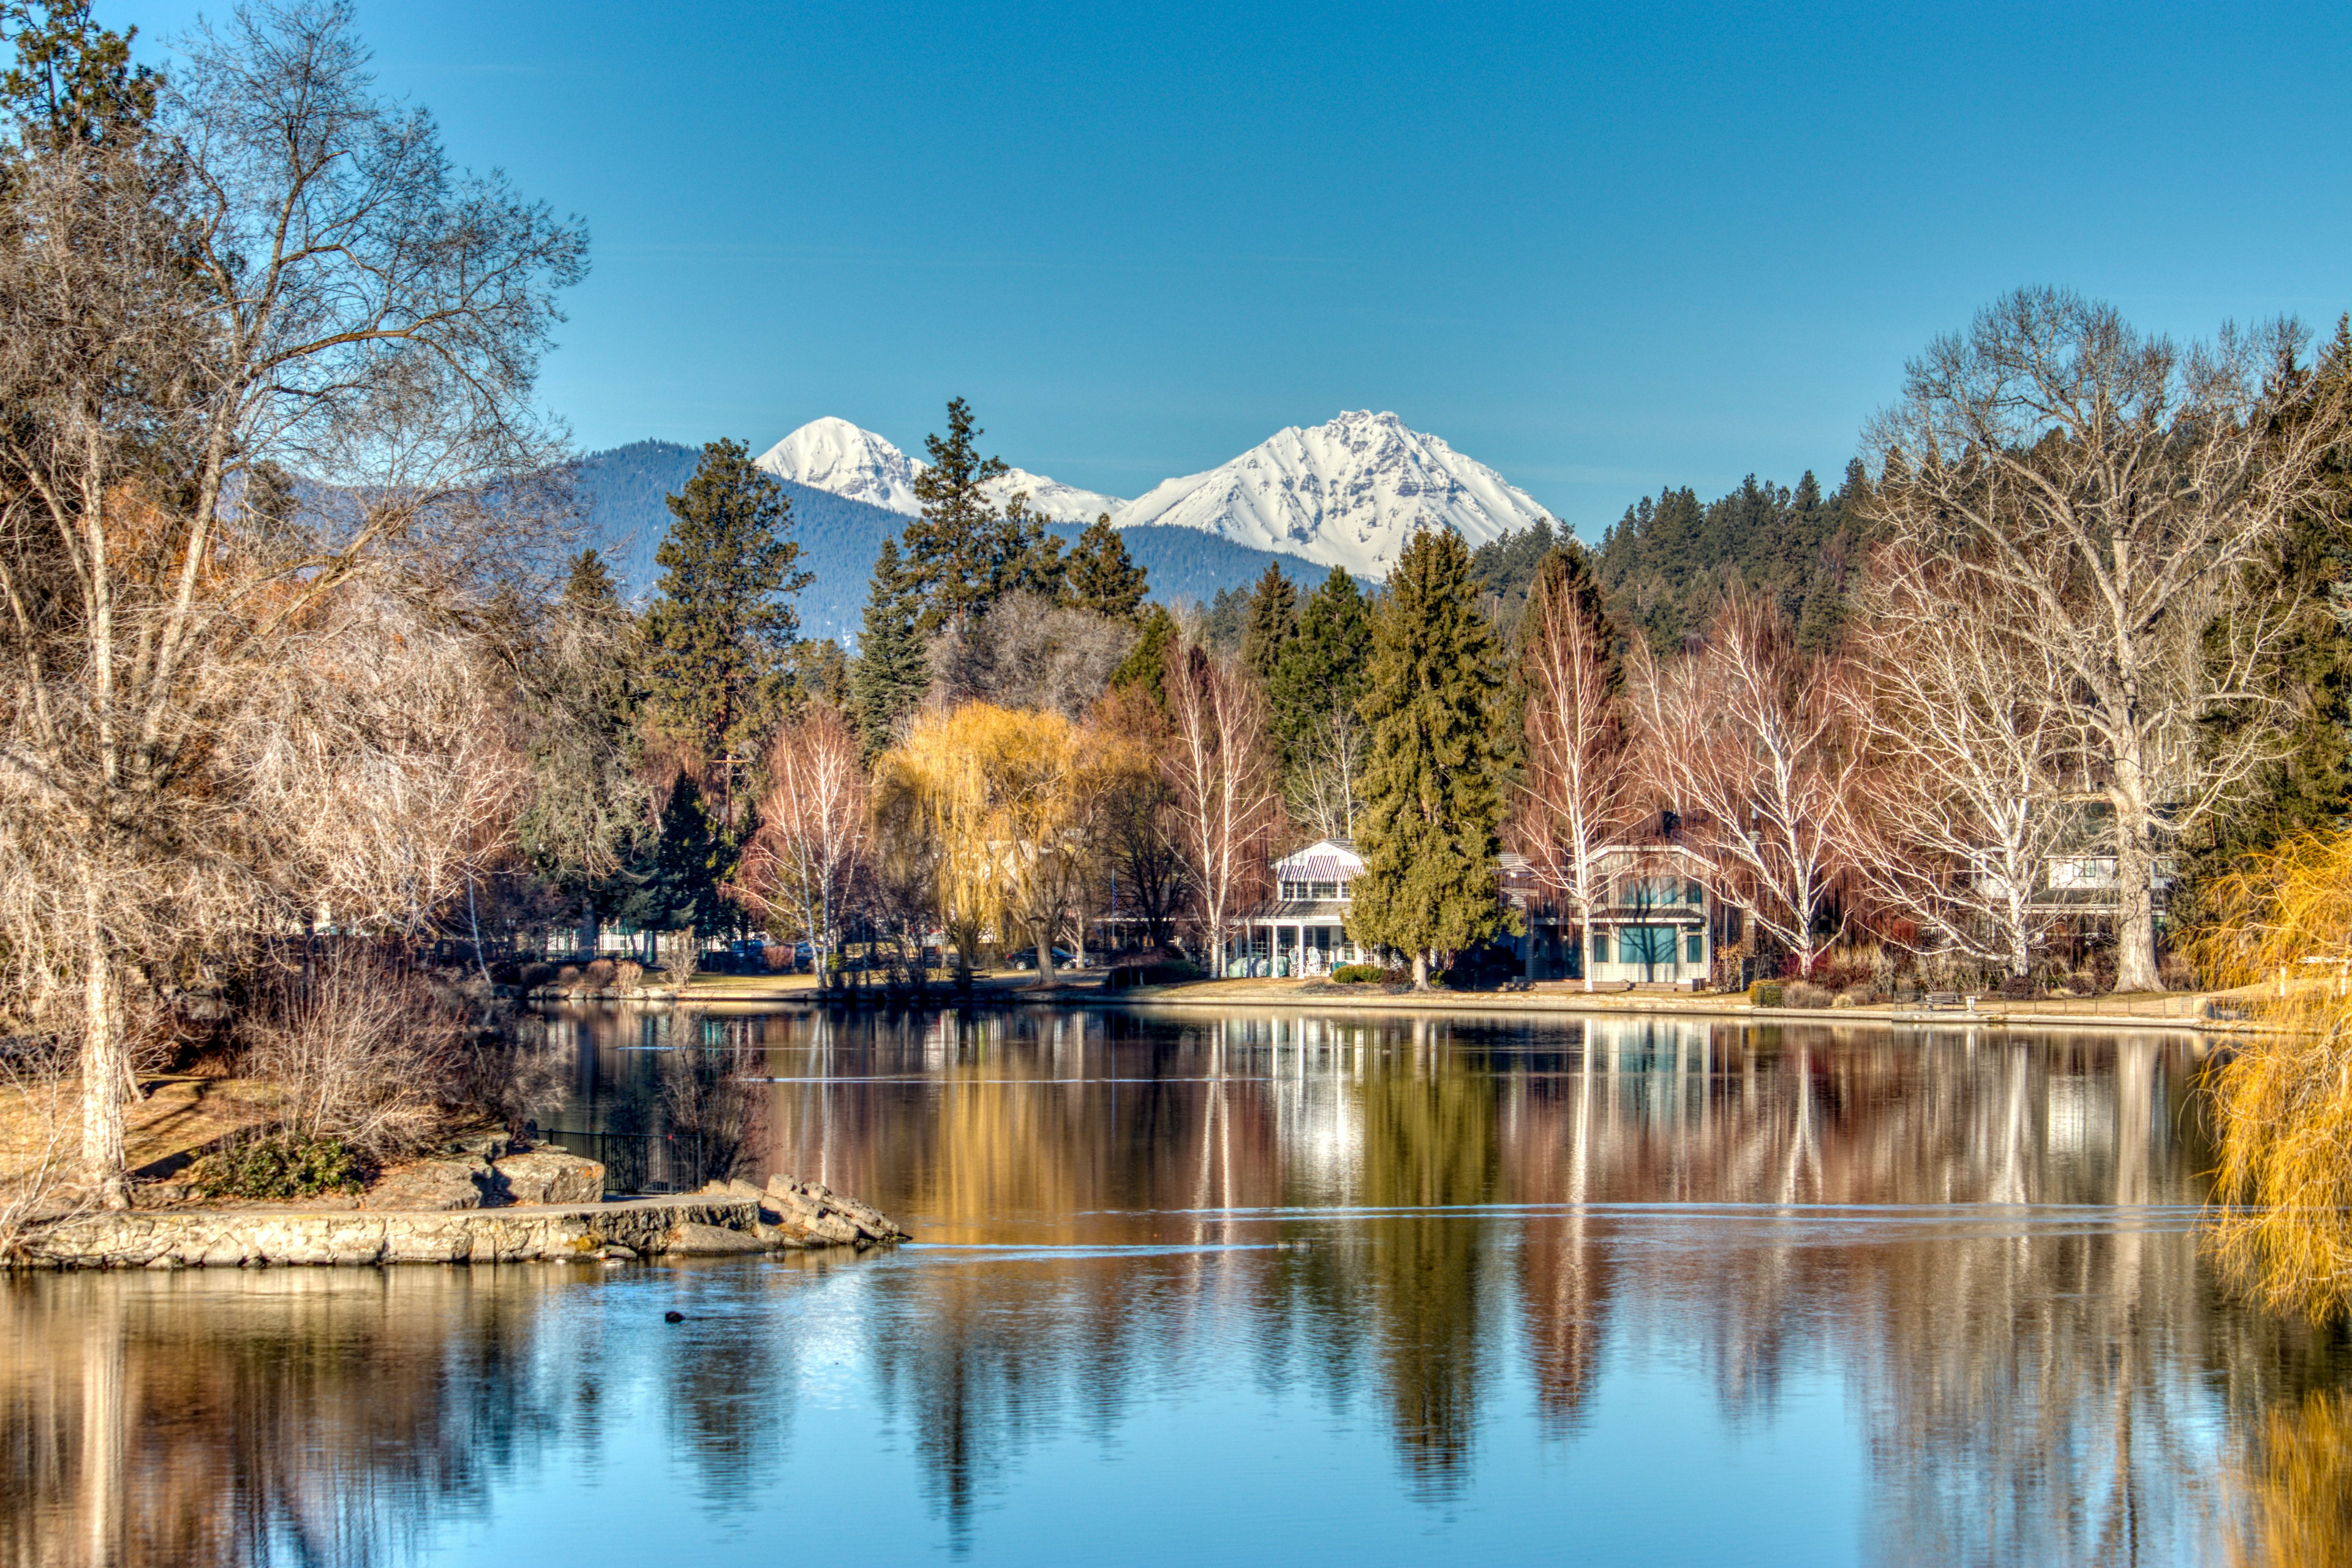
<point>1457,1232</point>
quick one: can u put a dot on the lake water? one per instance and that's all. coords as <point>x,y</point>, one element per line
<point>1265,1288</point>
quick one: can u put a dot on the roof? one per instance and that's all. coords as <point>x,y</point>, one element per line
<point>1324,860</point>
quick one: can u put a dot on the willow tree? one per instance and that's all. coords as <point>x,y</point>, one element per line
<point>2120,501</point>
<point>1433,806</point>
<point>1007,800</point>
<point>219,715</point>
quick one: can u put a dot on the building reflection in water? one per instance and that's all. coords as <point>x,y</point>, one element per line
<point>1984,1244</point>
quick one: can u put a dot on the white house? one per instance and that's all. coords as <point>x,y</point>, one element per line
<point>1304,932</point>
<point>1657,925</point>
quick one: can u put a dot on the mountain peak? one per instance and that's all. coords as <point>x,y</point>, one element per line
<point>856,464</point>
<point>1350,492</point>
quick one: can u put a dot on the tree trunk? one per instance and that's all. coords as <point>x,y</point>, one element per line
<point>1045,955</point>
<point>588,928</point>
<point>2135,900</point>
<point>104,1068</point>
<point>1421,969</point>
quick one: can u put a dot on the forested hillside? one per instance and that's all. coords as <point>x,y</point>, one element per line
<point>1665,564</point>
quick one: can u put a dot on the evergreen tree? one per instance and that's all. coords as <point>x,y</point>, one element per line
<point>73,82</point>
<point>961,553</point>
<point>675,886</point>
<point>1434,803</point>
<point>1146,664</point>
<point>1030,561</point>
<point>1272,625</point>
<point>1506,569</point>
<point>893,669</point>
<point>722,630</point>
<point>1321,670</point>
<point>1101,576</point>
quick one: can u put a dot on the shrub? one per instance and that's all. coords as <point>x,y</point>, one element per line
<point>2016,986</point>
<point>599,974</point>
<point>1805,994</point>
<point>1767,994</point>
<point>628,974</point>
<point>531,976</point>
<point>1359,973</point>
<point>568,976</point>
<point>360,1048</point>
<point>281,1165</point>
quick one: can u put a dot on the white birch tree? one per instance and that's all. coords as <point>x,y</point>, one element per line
<point>2122,501</point>
<point>1220,768</point>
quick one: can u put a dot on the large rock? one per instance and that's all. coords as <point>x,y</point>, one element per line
<point>690,1238</point>
<point>433,1184</point>
<point>219,1238</point>
<point>549,1176</point>
<point>824,1216</point>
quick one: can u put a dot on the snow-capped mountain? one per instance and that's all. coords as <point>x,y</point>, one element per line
<point>833,455</point>
<point>1051,499</point>
<point>1348,493</point>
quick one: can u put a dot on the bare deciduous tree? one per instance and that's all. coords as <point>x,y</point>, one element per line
<point>286,268</point>
<point>2121,499</point>
<point>808,860</point>
<point>1745,740</point>
<point>1220,766</point>
<point>1962,801</point>
<point>1325,779</point>
<point>1026,651</point>
<point>1577,793</point>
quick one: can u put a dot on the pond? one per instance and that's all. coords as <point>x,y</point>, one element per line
<point>1264,1287</point>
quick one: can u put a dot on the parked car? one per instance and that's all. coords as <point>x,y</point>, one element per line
<point>1027,958</point>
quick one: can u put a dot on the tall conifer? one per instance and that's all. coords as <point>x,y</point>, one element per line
<point>1102,576</point>
<point>719,635</point>
<point>893,669</point>
<point>1322,668</point>
<point>960,551</point>
<point>1272,623</point>
<point>1434,809</point>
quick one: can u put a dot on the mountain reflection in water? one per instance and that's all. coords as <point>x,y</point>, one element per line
<point>1257,1289</point>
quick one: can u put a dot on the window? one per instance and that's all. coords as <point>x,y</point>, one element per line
<point>1646,944</point>
<point>1600,947</point>
<point>1323,890</point>
<point>1693,895</point>
<point>1694,947</point>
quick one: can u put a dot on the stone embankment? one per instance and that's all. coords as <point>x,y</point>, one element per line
<point>724,1218</point>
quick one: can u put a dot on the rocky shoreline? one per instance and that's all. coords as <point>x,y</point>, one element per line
<point>723,1219</point>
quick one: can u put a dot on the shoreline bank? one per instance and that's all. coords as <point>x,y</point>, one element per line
<point>2187,1012</point>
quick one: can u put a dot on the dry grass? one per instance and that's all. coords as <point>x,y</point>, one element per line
<point>2282,1103</point>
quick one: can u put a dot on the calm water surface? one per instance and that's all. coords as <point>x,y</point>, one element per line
<point>1261,1289</point>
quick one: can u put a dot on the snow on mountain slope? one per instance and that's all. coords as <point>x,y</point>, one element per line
<point>833,455</point>
<point>856,464</point>
<point>1348,493</point>
<point>1051,499</point>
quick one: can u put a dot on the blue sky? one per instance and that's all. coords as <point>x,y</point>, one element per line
<point>1603,250</point>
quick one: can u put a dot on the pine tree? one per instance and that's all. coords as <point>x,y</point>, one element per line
<point>675,886</point>
<point>721,632</point>
<point>1312,697</point>
<point>893,668</point>
<point>962,552</point>
<point>1434,803</point>
<point>1320,670</point>
<point>1101,576</point>
<point>1272,623</point>
<point>1146,664</point>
